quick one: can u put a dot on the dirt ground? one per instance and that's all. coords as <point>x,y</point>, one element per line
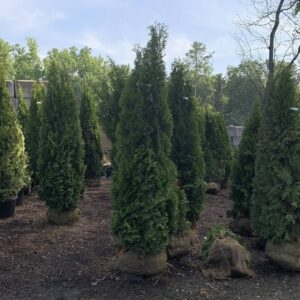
<point>43,261</point>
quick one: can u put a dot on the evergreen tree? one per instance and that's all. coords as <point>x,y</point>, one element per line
<point>34,124</point>
<point>275,212</point>
<point>91,135</point>
<point>186,145</point>
<point>145,178</point>
<point>13,160</point>
<point>61,168</point>
<point>22,112</point>
<point>110,107</point>
<point>217,149</point>
<point>243,167</point>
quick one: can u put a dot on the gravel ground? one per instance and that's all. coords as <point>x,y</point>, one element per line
<point>43,261</point>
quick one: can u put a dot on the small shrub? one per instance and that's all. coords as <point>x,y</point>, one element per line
<point>215,232</point>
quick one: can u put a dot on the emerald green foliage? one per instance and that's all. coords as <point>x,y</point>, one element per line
<point>186,150</point>
<point>217,149</point>
<point>61,168</point>
<point>275,214</point>
<point>110,108</point>
<point>23,115</point>
<point>182,204</point>
<point>13,160</point>
<point>144,182</point>
<point>22,112</point>
<point>215,232</point>
<point>200,110</point>
<point>91,135</point>
<point>243,166</point>
<point>33,128</point>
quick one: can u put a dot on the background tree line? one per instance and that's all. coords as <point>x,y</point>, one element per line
<point>233,93</point>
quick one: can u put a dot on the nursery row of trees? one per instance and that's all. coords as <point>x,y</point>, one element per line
<point>57,138</point>
<point>165,144</point>
<point>265,173</point>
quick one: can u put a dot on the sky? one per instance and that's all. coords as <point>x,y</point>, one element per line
<point>112,27</point>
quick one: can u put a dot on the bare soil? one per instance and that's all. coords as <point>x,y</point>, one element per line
<point>43,261</point>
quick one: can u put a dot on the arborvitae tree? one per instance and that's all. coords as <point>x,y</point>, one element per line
<point>91,135</point>
<point>145,178</point>
<point>186,145</point>
<point>61,167</point>
<point>13,160</point>
<point>243,167</point>
<point>109,107</point>
<point>22,112</point>
<point>33,128</point>
<point>275,212</point>
<point>217,149</point>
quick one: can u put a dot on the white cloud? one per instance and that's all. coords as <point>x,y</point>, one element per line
<point>177,47</point>
<point>25,15</point>
<point>121,51</point>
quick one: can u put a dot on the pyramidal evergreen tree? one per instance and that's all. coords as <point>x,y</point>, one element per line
<point>33,128</point>
<point>91,136</point>
<point>186,145</point>
<point>110,106</point>
<point>275,211</point>
<point>23,115</point>
<point>13,159</point>
<point>22,112</point>
<point>243,166</point>
<point>217,149</point>
<point>144,181</point>
<point>60,165</point>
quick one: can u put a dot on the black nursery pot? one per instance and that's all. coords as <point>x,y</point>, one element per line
<point>7,207</point>
<point>20,198</point>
